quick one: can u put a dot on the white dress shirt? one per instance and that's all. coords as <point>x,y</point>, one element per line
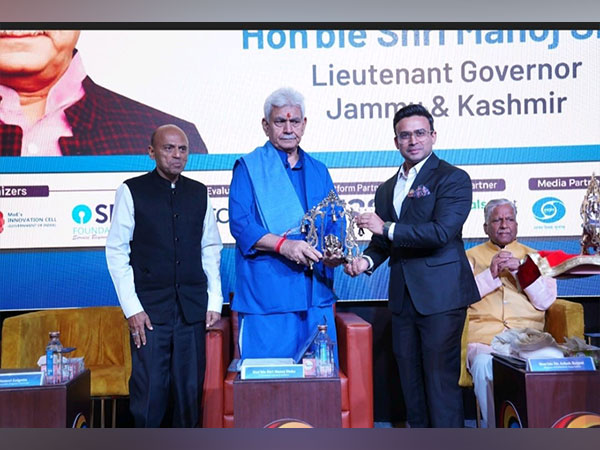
<point>402,188</point>
<point>118,250</point>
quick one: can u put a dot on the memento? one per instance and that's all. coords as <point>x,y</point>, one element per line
<point>329,227</point>
<point>590,215</point>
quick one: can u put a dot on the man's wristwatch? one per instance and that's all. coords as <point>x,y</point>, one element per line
<point>386,229</point>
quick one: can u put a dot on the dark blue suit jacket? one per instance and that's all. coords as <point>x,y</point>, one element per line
<point>427,253</point>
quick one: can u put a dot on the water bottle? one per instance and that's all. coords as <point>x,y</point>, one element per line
<point>54,359</point>
<point>323,353</point>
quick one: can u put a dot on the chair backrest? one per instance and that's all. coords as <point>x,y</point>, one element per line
<point>563,319</point>
<point>100,335</point>
<point>235,328</point>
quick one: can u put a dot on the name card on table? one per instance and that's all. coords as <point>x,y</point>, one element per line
<point>572,364</point>
<point>262,368</point>
<point>20,379</point>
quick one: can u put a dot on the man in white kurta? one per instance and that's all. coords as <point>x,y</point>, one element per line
<point>505,303</point>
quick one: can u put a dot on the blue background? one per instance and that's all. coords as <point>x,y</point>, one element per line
<point>53,278</point>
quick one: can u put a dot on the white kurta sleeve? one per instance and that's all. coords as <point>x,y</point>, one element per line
<point>118,250</point>
<point>211,258</point>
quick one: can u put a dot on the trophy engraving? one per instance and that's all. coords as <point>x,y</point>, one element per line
<point>330,226</point>
<point>590,214</point>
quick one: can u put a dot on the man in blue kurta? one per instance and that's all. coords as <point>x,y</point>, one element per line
<point>284,286</point>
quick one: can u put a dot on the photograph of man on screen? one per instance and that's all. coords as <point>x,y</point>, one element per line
<point>49,106</point>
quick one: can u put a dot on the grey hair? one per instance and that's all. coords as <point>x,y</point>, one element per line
<point>283,97</point>
<point>489,207</point>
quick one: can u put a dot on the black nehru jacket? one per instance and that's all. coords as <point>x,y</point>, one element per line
<point>166,250</point>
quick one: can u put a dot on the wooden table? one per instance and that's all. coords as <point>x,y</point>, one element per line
<point>48,406</point>
<point>290,402</point>
<point>542,399</point>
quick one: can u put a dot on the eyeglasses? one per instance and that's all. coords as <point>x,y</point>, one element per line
<point>280,122</point>
<point>418,134</point>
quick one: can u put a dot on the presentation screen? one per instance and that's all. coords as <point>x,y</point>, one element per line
<point>517,109</point>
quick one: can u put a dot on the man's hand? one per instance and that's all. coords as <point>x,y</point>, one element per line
<point>332,260</point>
<point>301,252</point>
<point>501,261</point>
<point>137,326</point>
<point>356,267</point>
<point>371,222</point>
<point>212,317</point>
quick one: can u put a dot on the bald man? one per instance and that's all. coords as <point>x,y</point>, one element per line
<point>163,253</point>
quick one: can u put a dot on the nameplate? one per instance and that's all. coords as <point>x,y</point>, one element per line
<point>20,379</point>
<point>264,368</point>
<point>571,364</point>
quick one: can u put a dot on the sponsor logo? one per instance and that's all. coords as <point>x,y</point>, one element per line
<point>478,204</point>
<point>509,417</point>
<point>92,224</point>
<point>17,219</point>
<point>222,215</point>
<point>288,423</point>
<point>549,210</point>
<point>80,421</point>
<point>578,420</point>
<point>81,214</point>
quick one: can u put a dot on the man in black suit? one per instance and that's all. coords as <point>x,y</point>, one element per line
<point>418,219</point>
